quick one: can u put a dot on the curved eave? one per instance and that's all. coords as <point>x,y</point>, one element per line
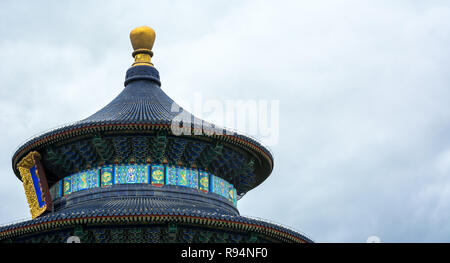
<point>76,130</point>
<point>238,223</point>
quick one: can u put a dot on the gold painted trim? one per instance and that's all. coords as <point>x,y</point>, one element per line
<point>24,167</point>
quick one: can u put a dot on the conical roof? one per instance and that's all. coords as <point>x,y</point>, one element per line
<point>144,109</point>
<point>142,101</point>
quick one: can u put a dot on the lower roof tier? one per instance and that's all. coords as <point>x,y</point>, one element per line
<point>146,205</point>
<point>147,211</point>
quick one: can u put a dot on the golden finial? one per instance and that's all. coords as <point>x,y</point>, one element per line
<point>142,39</point>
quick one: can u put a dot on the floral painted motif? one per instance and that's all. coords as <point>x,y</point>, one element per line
<point>157,175</point>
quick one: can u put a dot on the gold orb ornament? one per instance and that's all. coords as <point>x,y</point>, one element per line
<point>142,39</point>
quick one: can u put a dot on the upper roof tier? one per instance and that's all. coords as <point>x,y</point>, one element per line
<point>137,127</point>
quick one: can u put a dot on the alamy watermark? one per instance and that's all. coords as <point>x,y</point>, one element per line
<point>258,118</point>
<point>73,239</point>
<point>373,239</point>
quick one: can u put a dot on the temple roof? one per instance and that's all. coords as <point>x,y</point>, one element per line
<point>137,127</point>
<point>143,107</point>
<point>140,102</point>
<point>145,211</point>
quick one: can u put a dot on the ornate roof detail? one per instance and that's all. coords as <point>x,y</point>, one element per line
<point>125,165</point>
<point>144,205</point>
<point>146,112</point>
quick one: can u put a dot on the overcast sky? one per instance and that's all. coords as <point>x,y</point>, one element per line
<point>364,91</point>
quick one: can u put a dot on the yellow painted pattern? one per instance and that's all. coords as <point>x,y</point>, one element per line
<point>24,167</point>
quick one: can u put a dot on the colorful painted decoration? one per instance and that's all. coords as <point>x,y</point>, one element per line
<point>157,175</point>
<point>232,194</point>
<point>67,182</point>
<point>182,176</point>
<point>131,174</point>
<point>81,181</point>
<point>220,186</point>
<point>171,176</point>
<point>85,180</point>
<point>203,178</point>
<point>35,184</point>
<point>37,188</point>
<point>157,172</point>
<point>107,173</point>
<point>193,178</point>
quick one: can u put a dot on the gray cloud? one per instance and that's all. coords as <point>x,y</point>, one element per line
<point>363,90</point>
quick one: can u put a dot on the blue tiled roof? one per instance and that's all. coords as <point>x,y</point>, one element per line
<point>147,200</point>
<point>141,102</point>
<point>145,197</point>
<point>148,207</point>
